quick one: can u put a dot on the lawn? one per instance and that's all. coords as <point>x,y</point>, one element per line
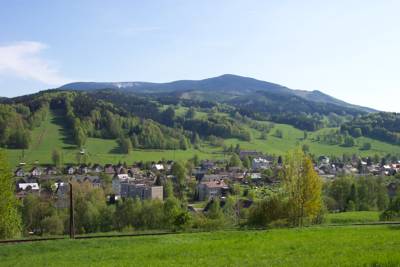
<point>317,246</point>
<point>353,217</point>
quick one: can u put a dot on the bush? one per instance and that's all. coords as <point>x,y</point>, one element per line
<point>265,212</point>
<point>366,146</point>
<point>53,225</point>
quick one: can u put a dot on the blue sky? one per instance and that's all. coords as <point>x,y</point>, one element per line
<point>348,49</point>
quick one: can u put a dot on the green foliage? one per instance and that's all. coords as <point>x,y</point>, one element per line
<point>14,128</point>
<point>34,211</point>
<point>246,162</point>
<point>366,146</point>
<point>183,143</point>
<point>125,145</point>
<point>269,210</point>
<point>362,194</point>
<point>10,221</point>
<point>54,225</point>
<point>180,172</point>
<point>303,188</point>
<point>56,158</point>
<point>278,133</point>
<point>383,126</point>
<point>348,141</point>
<point>151,136</point>
<point>235,161</point>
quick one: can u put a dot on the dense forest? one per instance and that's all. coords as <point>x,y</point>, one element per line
<point>382,126</point>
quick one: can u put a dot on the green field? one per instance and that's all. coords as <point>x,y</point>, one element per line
<point>293,137</point>
<point>317,246</point>
<point>52,135</point>
<point>353,217</point>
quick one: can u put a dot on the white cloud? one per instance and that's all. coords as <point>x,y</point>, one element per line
<point>24,60</point>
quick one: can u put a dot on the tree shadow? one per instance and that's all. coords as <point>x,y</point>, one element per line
<point>59,119</point>
<point>116,150</point>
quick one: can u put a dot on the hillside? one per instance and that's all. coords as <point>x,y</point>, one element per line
<point>319,246</point>
<point>54,134</point>
<point>111,126</point>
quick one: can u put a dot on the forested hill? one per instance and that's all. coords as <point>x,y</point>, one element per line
<point>180,120</point>
<point>221,88</point>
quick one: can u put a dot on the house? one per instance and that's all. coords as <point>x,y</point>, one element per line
<point>62,194</point>
<point>50,170</point>
<point>94,180</point>
<point>109,169</point>
<point>36,171</point>
<point>235,169</point>
<point>207,165</point>
<point>19,172</point>
<point>118,180</point>
<point>212,177</point>
<point>83,169</point>
<point>70,170</point>
<point>132,172</point>
<point>142,191</point>
<point>211,189</point>
<point>119,169</point>
<point>28,187</point>
<point>260,164</point>
<point>97,168</point>
<point>157,167</point>
<point>255,176</point>
<point>323,160</point>
<point>24,189</point>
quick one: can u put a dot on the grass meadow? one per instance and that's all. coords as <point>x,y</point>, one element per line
<point>353,217</point>
<point>52,134</point>
<point>315,246</point>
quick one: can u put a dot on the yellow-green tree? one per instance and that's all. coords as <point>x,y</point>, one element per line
<point>302,186</point>
<point>10,220</point>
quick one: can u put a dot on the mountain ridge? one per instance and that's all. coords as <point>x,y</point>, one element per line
<point>228,83</point>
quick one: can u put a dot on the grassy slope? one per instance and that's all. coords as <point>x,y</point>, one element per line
<point>293,137</point>
<point>320,246</point>
<point>51,136</point>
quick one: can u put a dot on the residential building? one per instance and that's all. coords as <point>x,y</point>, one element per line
<point>211,189</point>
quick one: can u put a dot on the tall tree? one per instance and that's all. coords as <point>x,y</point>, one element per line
<point>179,171</point>
<point>235,161</point>
<point>303,187</point>
<point>56,158</point>
<point>125,145</point>
<point>10,220</point>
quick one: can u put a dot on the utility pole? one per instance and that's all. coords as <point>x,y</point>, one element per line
<point>71,213</point>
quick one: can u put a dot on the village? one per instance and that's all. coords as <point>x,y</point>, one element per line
<point>210,179</point>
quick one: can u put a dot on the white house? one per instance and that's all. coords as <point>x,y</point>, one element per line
<point>28,186</point>
<point>260,164</point>
<point>36,171</point>
<point>158,167</point>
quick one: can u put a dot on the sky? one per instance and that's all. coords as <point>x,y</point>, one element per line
<point>348,49</point>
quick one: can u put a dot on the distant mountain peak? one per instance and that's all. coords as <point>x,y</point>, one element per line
<point>227,83</point>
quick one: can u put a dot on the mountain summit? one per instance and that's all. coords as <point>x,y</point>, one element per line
<point>229,85</point>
